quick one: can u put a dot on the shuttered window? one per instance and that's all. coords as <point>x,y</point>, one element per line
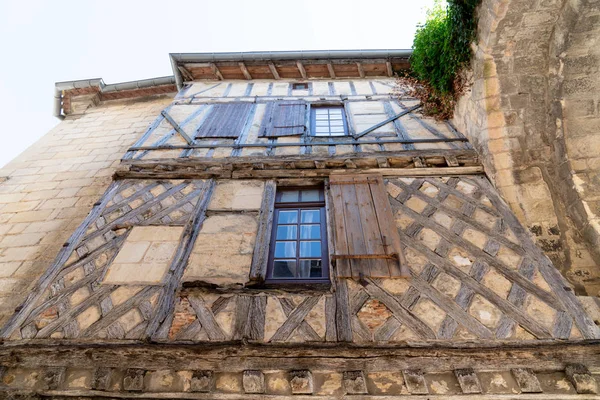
<point>366,238</point>
<point>284,118</point>
<point>224,121</point>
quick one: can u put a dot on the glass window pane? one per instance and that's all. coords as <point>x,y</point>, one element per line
<point>322,133</point>
<point>284,268</point>
<point>310,249</point>
<point>310,195</point>
<point>310,216</point>
<point>285,249</point>
<point>310,232</point>
<point>288,217</point>
<point>310,269</point>
<point>338,134</point>
<point>287,232</point>
<point>289,196</point>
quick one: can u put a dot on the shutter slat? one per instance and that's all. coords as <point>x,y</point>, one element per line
<point>367,241</point>
<point>284,119</point>
<point>387,226</point>
<point>224,120</point>
<point>371,232</point>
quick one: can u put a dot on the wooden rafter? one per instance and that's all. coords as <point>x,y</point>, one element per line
<point>331,71</point>
<point>388,66</point>
<point>301,69</point>
<point>245,71</point>
<point>274,71</point>
<point>361,71</point>
<point>216,71</point>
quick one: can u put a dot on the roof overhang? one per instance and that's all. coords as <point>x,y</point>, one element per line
<point>313,64</point>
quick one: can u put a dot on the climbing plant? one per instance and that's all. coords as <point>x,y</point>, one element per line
<point>441,50</point>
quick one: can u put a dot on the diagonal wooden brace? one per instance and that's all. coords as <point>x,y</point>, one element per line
<point>176,127</point>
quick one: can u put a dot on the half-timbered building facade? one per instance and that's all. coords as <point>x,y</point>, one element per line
<point>291,225</point>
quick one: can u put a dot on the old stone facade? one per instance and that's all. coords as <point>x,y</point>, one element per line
<point>282,225</point>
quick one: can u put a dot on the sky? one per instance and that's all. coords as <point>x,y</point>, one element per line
<point>43,42</point>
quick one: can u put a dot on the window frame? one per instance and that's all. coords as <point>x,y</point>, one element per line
<point>277,207</point>
<point>313,120</point>
<point>296,84</point>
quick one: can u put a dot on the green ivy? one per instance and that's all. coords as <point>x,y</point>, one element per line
<point>442,46</point>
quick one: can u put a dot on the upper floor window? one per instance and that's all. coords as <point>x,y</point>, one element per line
<point>298,251</point>
<point>299,86</point>
<point>328,121</point>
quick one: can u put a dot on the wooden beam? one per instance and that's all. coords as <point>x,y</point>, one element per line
<point>185,73</point>
<point>176,127</point>
<point>390,71</point>
<point>245,71</point>
<point>361,71</point>
<point>387,121</point>
<point>301,69</point>
<point>274,71</point>
<point>331,71</point>
<point>216,71</point>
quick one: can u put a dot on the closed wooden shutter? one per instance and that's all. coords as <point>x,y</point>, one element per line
<point>284,118</point>
<point>224,120</point>
<point>366,238</point>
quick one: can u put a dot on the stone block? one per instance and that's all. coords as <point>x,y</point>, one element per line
<point>145,256</point>
<point>355,383</point>
<point>526,380</point>
<point>468,381</point>
<point>581,378</point>
<point>78,378</point>
<point>228,382</point>
<point>415,382</point>
<point>386,383</point>
<point>222,253</point>
<point>253,381</point>
<point>237,195</point>
<point>102,378</point>
<point>134,380</point>
<point>301,382</point>
<point>52,378</point>
<point>202,381</point>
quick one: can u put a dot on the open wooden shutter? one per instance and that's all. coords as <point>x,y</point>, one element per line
<point>366,238</point>
<point>284,118</point>
<point>224,120</point>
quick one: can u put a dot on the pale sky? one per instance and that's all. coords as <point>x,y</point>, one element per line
<point>43,42</point>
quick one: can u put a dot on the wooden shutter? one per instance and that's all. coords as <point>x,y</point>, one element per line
<point>366,238</point>
<point>284,118</point>
<point>224,120</point>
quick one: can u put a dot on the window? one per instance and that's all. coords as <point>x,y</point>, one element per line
<point>298,250</point>
<point>328,121</point>
<point>299,86</point>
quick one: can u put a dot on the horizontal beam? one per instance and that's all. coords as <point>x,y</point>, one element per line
<point>311,144</point>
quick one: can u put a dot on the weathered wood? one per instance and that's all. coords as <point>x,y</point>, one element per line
<point>342,312</point>
<point>207,319</point>
<point>245,71</point>
<point>294,319</point>
<point>526,379</point>
<point>468,381</point>
<point>330,323</point>
<point>176,127</point>
<point>49,275</point>
<point>403,314</point>
<point>166,303</point>
<point>274,72</point>
<point>216,71</point>
<point>304,328</point>
<point>256,322</point>
<point>361,70</point>
<point>260,256</point>
<point>387,121</point>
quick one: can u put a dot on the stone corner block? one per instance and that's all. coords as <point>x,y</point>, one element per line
<point>581,378</point>
<point>253,381</point>
<point>526,380</point>
<point>202,381</point>
<point>134,379</point>
<point>468,380</point>
<point>301,382</point>
<point>355,383</point>
<point>415,382</point>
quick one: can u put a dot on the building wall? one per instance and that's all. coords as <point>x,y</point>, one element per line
<point>49,189</point>
<point>532,113</point>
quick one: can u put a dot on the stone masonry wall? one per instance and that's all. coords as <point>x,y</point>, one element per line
<point>47,191</point>
<point>533,115</point>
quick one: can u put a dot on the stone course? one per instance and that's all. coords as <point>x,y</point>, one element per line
<point>47,190</point>
<point>532,113</point>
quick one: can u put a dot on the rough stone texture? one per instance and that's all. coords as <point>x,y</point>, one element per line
<point>526,380</point>
<point>237,195</point>
<point>253,381</point>
<point>51,187</point>
<point>582,379</point>
<point>202,381</point>
<point>145,256</point>
<point>532,113</point>
<point>301,382</point>
<point>354,382</point>
<point>222,253</point>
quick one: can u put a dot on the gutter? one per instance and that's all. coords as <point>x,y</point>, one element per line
<point>59,87</point>
<point>177,58</point>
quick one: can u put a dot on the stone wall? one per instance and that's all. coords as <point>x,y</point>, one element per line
<point>533,114</point>
<point>51,187</point>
